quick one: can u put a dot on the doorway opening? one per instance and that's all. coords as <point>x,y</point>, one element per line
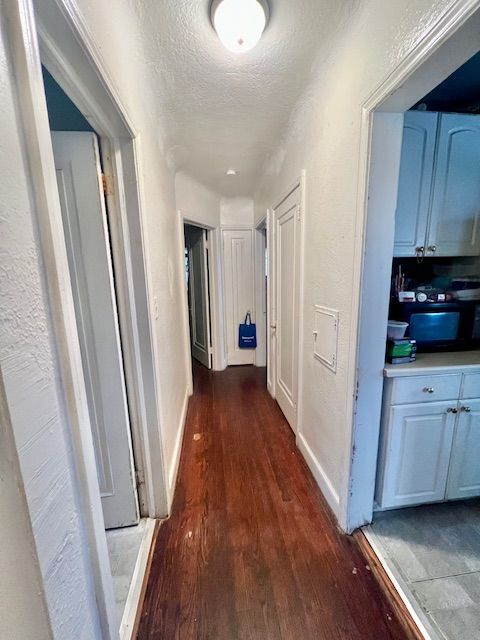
<point>197,277</point>
<point>83,189</point>
<point>415,473</point>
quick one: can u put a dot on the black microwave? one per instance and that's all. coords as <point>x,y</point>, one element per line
<point>440,326</point>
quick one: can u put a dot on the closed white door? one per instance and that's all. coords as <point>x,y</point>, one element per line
<point>464,475</point>
<point>198,294</point>
<point>455,214</point>
<point>287,288</point>
<point>77,162</point>
<point>418,453</point>
<point>239,290</point>
<point>415,181</point>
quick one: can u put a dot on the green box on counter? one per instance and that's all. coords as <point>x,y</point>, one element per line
<point>401,351</point>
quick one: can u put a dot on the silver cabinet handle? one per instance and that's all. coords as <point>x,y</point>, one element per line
<point>466,409</point>
<point>428,389</point>
<point>273,326</point>
<point>452,410</point>
<point>432,248</point>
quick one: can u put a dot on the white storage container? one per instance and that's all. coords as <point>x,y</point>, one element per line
<point>396,329</point>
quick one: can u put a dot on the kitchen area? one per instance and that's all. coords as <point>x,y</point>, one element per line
<point>426,526</point>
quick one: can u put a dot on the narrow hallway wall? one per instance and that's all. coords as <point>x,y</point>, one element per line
<point>323,138</point>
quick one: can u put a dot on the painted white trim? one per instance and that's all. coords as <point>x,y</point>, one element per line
<point>38,150</point>
<point>173,471</point>
<point>298,183</point>
<point>219,362</point>
<point>401,587</point>
<point>133,598</point>
<point>450,42</point>
<point>319,474</point>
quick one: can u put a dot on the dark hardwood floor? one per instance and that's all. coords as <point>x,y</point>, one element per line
<point>251,550</point>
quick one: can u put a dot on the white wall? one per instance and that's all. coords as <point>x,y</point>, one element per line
<point>196,202</point>
<point>236,212</point>
<point>36,408</point>
<point>323,138</point>
<point>22,600</point>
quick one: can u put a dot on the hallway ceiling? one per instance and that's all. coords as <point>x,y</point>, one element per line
<point>223,110</point>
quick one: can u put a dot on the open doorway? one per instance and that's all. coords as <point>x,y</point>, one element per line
<point>82,190</point>
<point>417,468</point>
<point>197,274</point>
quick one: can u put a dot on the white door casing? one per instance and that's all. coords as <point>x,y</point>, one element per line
<point>239,290</point>
<point>285,317</point>
<point>77,163</point>
<point>198,294</point>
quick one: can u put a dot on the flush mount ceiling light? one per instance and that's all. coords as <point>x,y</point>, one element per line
<point>239,23</point>
<point>231,172</point>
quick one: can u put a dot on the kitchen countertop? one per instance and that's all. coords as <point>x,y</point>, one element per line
<point>452,361</point>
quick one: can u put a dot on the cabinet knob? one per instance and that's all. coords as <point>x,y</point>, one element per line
<point>466,409</point>
<point>452,410</point>
<point>428,389</point>
<point>432,248</point>
<point>419,250</point>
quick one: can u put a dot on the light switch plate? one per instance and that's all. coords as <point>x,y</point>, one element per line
<point>325,336</point>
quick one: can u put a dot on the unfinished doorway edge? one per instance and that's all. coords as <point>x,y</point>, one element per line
<point>70,53</point>
<point>448,44</point>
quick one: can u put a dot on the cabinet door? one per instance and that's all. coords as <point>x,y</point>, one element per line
<point>464,476</point>
<point>416,454</point>
<point>455,214</point>
<point>415,181</point>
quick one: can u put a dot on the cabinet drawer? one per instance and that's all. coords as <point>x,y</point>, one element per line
<point>471,385</point>
<point>426,388</point>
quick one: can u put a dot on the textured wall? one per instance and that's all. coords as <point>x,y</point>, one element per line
<point>196,202</point>
<point>323,137</point>
<point>30,375</point>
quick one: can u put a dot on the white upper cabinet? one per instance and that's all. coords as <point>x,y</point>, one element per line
<point>455,213</point>
<point>415,181</point>
<point>438,205</point>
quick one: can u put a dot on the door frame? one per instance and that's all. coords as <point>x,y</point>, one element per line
<point>299,183</point>
<point>449,43</point>
<point>216,299</point>
<point>60,40</point>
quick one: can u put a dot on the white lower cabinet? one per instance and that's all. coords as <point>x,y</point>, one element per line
<point>464,475</point>
<point>416,454</point>
<point>429,449</point>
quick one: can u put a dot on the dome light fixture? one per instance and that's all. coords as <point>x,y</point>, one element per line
<point>239,23</point>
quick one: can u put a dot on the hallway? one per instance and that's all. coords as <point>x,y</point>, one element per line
<point>251,549</point>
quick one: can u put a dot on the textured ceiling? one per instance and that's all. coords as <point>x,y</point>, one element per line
<point>223,110</point>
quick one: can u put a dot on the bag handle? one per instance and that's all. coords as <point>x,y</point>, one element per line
<point>248,318</point>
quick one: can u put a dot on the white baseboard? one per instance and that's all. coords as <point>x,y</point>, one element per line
<point>172,475</point>
<point>319,474</point>
<point>131,605</point>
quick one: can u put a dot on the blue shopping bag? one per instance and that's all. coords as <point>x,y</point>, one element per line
<point>247,334</point>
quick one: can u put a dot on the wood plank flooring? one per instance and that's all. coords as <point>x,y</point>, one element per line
<point>251,550</point>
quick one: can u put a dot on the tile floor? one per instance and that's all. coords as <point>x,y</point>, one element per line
<point>435,549</point>
<point>123,548</point>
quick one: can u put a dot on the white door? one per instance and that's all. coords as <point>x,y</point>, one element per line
<point>287,288</point>
<point>77,162</point>
<point>239,290</point>
<point>455,214</point>
<point>198,294</point>
<point>415,181</point>
<point>464,475</point>
<point>418,453</point>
